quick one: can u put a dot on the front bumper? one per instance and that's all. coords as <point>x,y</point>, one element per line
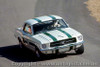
<point>61,49</point>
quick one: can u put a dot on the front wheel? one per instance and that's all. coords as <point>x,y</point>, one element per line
<point>80,50</point>
<point>37,52</point>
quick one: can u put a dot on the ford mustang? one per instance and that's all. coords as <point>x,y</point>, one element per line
<point>49,35</point>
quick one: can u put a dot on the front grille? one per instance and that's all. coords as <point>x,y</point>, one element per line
<point>63,42</point>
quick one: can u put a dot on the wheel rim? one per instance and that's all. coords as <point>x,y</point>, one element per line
<point>76,49</point>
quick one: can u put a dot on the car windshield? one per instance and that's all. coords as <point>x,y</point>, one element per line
<point>49,25</point>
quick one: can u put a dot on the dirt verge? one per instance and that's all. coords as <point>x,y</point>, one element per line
<point>94,8</point>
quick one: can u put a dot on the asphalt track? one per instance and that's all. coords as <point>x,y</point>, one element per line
<point>14,12</point>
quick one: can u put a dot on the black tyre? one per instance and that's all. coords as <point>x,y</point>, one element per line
<point>80,50</point>
<point>37,52</point>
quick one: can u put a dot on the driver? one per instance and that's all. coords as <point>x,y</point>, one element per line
<point>56,23</point>
<point>30,31</point>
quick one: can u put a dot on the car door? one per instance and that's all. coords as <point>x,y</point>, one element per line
<point>27,33</point>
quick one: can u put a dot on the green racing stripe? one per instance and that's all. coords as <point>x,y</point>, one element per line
<point>60,29</point>
<point>37,19</point>
<point>52,17</point>
<point>69,36</point>
<point>41,21</point>
<point>52,37</point>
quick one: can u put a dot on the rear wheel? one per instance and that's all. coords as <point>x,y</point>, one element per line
<point>80,50</point>
<point>20,43</point>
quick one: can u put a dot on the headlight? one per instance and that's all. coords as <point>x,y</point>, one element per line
<point>80,37</point>
<point>43,45</point>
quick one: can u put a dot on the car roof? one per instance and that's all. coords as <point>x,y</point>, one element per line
<point>42,19</point>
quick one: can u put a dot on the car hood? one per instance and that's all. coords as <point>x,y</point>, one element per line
<point>56,35</point>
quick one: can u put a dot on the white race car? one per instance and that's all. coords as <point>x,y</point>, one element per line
<point>49,35</point>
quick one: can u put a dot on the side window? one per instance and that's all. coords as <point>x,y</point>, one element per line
<point>27,28</point>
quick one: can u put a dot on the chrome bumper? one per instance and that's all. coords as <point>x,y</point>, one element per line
<point>61,49</point>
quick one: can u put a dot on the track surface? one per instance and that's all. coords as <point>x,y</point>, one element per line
<point>14,12</point>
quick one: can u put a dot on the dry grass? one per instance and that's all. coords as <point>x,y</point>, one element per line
<point>94,8</point>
